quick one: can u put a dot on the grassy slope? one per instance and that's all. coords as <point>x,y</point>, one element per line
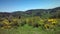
<point>27,30</point>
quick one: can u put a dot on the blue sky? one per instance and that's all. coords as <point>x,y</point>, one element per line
<point>22,5</point>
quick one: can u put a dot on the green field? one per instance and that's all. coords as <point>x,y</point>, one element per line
<point>28,30</point>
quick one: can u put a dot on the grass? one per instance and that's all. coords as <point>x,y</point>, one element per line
<point>27,30</point>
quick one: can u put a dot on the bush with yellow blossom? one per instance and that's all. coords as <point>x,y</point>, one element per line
<point>52,21</point>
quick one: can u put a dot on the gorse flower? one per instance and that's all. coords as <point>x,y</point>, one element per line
<point>5,21</point>
<point>46,26</point>
<point>15,19</point>
<point>52,20</point>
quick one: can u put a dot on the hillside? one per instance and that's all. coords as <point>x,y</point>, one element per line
<point>55,12</point>
<point>34,21</point>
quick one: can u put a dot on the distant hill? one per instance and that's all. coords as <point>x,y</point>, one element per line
<point>55,12</point>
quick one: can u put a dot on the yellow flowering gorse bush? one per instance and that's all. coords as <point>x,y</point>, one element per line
<point>52,20</point>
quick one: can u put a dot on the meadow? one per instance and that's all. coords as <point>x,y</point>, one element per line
<point>29,25</point>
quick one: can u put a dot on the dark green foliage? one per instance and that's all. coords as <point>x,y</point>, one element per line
<point>23,23</point>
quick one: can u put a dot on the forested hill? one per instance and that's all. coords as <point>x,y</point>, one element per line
<point>52,13</point>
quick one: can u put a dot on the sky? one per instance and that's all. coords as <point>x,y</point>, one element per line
<point>23,5</point>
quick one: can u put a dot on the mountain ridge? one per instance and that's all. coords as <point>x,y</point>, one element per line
<point>34,12</point>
